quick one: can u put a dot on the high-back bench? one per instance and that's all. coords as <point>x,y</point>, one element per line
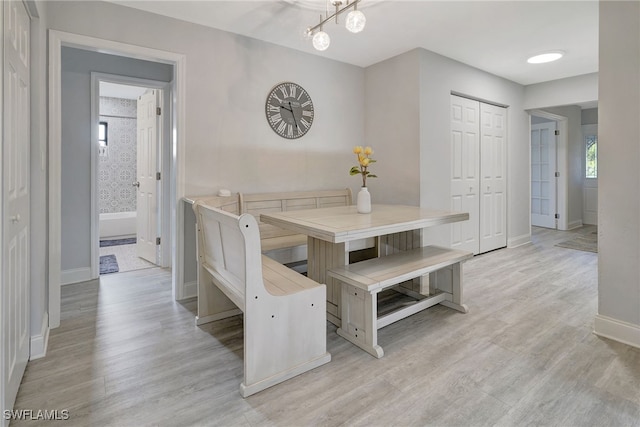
<point>284,312</point>
<point>284,245</point>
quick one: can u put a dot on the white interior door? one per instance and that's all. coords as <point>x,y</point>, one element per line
<point>148,180</point>
<point>493,182</point>
<point>14,264</point>
<point>465,175</point>
<point>543,171</point>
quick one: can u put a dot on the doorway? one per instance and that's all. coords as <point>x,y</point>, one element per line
<point>558,175</point>
<point>174,104</point>
<point>124,220</point>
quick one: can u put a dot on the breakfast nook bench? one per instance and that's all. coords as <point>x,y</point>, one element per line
<point>283,311</point>
<point>363,281</point>
<point>283,245</point>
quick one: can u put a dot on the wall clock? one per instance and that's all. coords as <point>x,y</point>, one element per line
<point>289,110</point>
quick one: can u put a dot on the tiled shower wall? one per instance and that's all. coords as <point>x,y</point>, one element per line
<point>117,169</point>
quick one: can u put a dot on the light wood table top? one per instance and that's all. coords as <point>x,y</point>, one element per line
<point>343,223</point>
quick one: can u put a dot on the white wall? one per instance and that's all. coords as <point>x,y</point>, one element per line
<point>569,91</point>
<point>618,175</point>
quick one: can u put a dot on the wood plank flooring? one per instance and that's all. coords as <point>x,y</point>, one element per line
<point>126,354</point>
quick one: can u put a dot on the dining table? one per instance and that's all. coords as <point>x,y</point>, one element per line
<point>338,236</point>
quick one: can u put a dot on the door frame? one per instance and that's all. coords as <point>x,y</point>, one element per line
<point>164,207</point>
<point>57,40</point>
<point>562,164</point>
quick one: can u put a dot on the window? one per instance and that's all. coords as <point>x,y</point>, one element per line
<point>591,144</point>
<point>102,134</point>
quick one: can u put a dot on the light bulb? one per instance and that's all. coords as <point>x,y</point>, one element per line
<point>356,21</point>
<point>321,40</point>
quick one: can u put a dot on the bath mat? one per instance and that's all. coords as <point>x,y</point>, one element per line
<point>108,264</point>
<point>587,243</point>
<point>117,242</point>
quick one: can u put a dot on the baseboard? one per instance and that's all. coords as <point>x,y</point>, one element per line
<point>617,330</point>
<point>190,290</point>
<point>514,242</point>
<point>575,224</point>
<point>67,277</point>
<point>39,342</point>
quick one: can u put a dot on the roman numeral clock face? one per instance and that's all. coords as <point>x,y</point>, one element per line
<point>289,110</point>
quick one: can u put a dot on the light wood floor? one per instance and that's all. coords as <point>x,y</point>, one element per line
<point>126,354</point>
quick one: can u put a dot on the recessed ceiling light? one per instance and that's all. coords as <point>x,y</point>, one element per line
<point>545,57</point>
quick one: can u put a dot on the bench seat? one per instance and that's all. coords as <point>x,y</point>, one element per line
<point>284,313</point>
<point>283,242</point>
<point>281,280</point>
<point>362,281</point>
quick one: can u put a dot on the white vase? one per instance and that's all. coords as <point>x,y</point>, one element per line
<point>364,200</point>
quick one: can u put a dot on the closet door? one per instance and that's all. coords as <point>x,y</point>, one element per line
<point>478,174</point>
<point>465,174</point>
<point>493,182</point>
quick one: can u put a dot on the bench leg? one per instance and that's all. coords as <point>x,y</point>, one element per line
<point>213,304</point>
<point>359,322</point>
<point>449,280</point>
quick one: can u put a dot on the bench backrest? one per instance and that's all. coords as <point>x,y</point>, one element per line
<point>229,247</point>
<point>229,204</point>
<point>258,203</point>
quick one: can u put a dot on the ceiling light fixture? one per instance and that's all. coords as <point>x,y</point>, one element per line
<point>546,57</point>
<point>355,23</point>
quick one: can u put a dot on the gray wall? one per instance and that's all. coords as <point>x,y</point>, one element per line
<point>618,174</point>
<point>228,141</point>
<point>408,121</point>
<point>393,128</point>
<point>590,116</point>
<point>77,66</point>
<point>535,120</point>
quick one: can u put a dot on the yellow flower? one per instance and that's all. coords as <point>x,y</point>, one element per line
<point>364,161</point>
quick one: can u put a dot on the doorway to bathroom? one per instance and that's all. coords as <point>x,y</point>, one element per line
<point>128,186</point>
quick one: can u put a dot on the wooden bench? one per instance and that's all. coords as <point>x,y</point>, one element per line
<point>284,312</point>
<point>283,245</point>
<point>363,281</point>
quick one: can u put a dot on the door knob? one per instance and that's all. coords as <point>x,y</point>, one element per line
<point>136,184</point>
<point>15,218</point>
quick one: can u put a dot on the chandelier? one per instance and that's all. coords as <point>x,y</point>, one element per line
<point>355,22</point>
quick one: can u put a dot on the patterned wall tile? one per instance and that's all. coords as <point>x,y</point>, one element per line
<point>117,170</point>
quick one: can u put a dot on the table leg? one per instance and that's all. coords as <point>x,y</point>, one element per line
<point>321,256</point>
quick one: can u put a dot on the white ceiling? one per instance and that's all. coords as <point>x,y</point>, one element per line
<point>495,36</point>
